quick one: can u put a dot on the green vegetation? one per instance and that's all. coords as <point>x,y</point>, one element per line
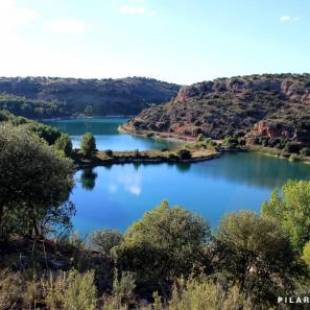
<point>49,134</point>
<point>34,183</point>
<point>167,243</point>
<point>64,144</point>
<point>48,97</point>
<point>291,208</point>
<point>105,240</point>
<point>88,145</point>
<point>169,259</point>
<point>184,154</point>
<point>266,110</point>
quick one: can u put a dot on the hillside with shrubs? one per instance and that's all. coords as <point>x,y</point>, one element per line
<point>271,110</point>
<point>48,97</point>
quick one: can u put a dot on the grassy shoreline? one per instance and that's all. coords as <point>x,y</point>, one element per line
<point>103,158</point>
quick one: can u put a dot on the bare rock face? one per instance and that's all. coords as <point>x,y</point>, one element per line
<point>272,130</point>
<point>268,106</point>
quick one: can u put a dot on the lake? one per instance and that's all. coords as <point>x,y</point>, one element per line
<point>106,134</point>
<point>116,196</point>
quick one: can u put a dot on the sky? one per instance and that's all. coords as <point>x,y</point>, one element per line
<point>181,41</point>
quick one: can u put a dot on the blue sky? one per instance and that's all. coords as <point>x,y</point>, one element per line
<point>181,41</point>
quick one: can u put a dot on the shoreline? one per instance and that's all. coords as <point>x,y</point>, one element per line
<point>154,135</point>
<point>144,157</point>
<point>268,151</point>
<point>69,118</point>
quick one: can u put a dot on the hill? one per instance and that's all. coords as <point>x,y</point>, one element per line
<point>272,110</point>
<point>43,97</point>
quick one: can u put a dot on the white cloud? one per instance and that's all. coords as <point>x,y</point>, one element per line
<point>13,16</point>
<point>67,26</point>
<point>131,9</point>
<point>289,19</point>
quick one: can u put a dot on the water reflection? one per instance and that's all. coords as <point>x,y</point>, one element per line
<point>121,194</point>
<point>88,179</point>
<point>253,169</point>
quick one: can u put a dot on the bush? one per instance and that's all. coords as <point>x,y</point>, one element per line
<point>88,145</point>
<point>291,208</point>
<point>294,157</point>
<point>184,154</point>
<point>205,295</point>
<point>167,242</point>
<point>105,240</point>
<point>35,183</point>
<point>292,147</point>
<point>109,153</point>
<point>306,254</point>
<point>64,144</point>
<point>254,250</point>
<point>305,151</point>
<point>71,290</point>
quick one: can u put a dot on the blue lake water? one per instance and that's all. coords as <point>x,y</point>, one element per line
<point>116,196</point>
<point>106,134</point>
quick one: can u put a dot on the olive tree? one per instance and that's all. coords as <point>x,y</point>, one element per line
<point>35,182</point>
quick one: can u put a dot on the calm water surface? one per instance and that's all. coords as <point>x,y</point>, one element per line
<point>106,134</point>
<point>116,196</point>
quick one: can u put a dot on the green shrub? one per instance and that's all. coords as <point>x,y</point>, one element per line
<point>109,153</point>
<point>306,254</point>
<point>305,151</point>
<point>88,145</point>
<point>105,240</point>
<point>184,154</point>
<point>71,290</point>
<point>294,157</point>
<point>290,207</point>
<point>64,144</point>
<point>166,242</point>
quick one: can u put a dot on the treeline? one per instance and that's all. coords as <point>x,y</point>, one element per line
<point>33,108</point>
<point>169,259</point>
<point>45,97</point>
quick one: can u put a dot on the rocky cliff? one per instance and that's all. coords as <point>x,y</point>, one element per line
<point>272,108</point>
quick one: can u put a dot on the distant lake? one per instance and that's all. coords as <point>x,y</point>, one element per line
<point>106,134</point>
<point>117,196</point>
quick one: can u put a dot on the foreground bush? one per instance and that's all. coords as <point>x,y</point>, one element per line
<point>257,253</point>
<point>35,182</point>
<point>168,242</point>
<point>291,208</point>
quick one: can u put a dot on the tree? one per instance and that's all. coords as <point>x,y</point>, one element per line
<point>35,182</point>
<point>105,240</point>
<point>88,145</point>
<point>291,207</point>
<point>64,144</point>
<point>184,154</point>
<point>255,251</point>
<point>166,243</point>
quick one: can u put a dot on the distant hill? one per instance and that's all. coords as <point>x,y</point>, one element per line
<point>264,109</point>
<point>40,97</point>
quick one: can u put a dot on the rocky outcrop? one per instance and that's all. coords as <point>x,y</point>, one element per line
<point>269,106</point>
